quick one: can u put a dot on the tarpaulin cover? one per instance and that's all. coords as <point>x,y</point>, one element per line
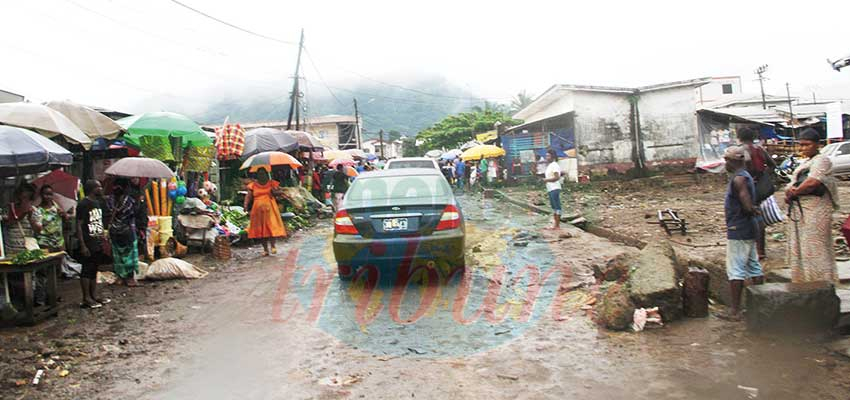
<point>261,140</point>
<point>230,142</point>
<point>714,137</point>
<point>561,140</point>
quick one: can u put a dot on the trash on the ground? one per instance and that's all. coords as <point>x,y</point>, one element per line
<point>338,381</point>
<point>508,377</point>
<point>752,392</point>
<point>416,351</point>
<point>646,316</point>
<point>106,278</point>
<point>173,268</point>
<point>37,378</point>
<point>146,316</point>
<point>670,221</point>
<point>64,373</point>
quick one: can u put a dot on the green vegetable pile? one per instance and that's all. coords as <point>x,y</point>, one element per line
<point>298,222</point>
<point>235,217</point>
<point>28,256</point>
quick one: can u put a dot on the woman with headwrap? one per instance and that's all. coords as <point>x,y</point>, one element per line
<point>122,232</point>
<point>812,196</point>
<point>265,223</point>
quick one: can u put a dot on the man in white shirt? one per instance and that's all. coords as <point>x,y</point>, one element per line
<point>552,177</point>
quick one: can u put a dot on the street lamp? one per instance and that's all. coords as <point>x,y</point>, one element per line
<point>839,63</point>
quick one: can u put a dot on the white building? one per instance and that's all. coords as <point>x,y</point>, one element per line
<point>391,149</point>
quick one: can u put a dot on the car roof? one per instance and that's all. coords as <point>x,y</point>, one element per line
<point>410,159</point>
<point>400,172</point>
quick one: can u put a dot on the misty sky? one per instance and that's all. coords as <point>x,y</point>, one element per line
<point>140,55</point>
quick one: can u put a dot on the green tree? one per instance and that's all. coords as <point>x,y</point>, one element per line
<point>457,129</point>
<point>520,101</point>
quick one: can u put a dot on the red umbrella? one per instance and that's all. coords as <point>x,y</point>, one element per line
<point>62,183</point>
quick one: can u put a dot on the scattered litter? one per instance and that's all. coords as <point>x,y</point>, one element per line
<point>752,392</point>
<point>509,377</point>
<point>21,382</point>
<point>106,278</point>
<point>64,373</point>
<point>147,316</point>
<point>38,375</point>
<point>644,316</point>
<point>195,307</point>
<point>337,381</point>
<point>416,351</point>
<point>502,332</point>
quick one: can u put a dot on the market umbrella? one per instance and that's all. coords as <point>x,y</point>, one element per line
<point>23,151</point>
<point>337,155</point>
<point>92,123</point>
<point>357,154</point>
<point>468,145</point>
<point>350,171</point>
<point>434,153</point>
<point>140,167</point>
<point>165,124</point>
<point>62,183</point>
<point>371,157</point>
<point>341,161</point>
<point>306,140</point>
<point>269,158</point>
<point>482,151</point>
<point>268,139</point>
<point>44,120</point>
<point>451,154</point>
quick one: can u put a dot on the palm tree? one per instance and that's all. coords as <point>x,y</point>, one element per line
<point>520,101</point>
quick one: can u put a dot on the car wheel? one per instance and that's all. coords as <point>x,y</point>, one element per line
<point>346,272</point>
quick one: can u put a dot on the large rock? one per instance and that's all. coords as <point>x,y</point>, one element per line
<point>616,310</point>
<point>792,307</point>
<point>655,281</point>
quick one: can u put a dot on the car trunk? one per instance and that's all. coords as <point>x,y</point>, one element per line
<point>405,220</point>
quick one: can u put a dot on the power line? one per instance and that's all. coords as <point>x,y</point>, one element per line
<point>322,79</point>
<point>239,28</point>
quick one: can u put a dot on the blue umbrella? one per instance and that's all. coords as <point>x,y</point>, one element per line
<point>451,154</point>
<point>23,151</point>
<point>371,157</point>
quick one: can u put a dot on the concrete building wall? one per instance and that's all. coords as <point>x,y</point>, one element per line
<point>328,133</point>
<point>562,105</point>
<point>668,124</point>
<point>714,90</point>
<point>602,127</point>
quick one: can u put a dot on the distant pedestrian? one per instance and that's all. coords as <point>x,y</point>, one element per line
<point>340,186</point>
<point>813,197</point>
<point>552,177</point>
<point>92,237</point>
<point>741,257</point>
<point>482,169</point>
<point>265,224</point>
<point>460,173</point>
<point>122,232</point>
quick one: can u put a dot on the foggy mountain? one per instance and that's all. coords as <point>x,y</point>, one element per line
<point>408,109</point>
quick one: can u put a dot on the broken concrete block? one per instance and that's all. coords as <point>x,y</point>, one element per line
<point>718,282</point>
<point>616,310</point>
<point>695,293</point>
<point>792,307</point>
<point>655,282</point>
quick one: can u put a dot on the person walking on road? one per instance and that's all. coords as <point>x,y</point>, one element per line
<point>741,256</point>
<point>813,197</point>
<point>92,237</point>
<point>552,177</point>
<point>460,173</point>
<point>122,232</point>
<point>340,186</point>
<point>265,223</point>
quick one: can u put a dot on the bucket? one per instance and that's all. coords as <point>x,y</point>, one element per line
<point>165,230</point>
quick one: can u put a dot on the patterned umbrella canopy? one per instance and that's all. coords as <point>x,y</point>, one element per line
<point>344,161</point>
<point>269,158</point>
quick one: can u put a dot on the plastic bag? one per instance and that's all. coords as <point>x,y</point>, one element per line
<point>173,268</point>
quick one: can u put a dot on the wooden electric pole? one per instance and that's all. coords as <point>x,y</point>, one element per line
<point>294,106</point>
<point>760,71</point>
<point>381,141</point>
<point>357,125</point>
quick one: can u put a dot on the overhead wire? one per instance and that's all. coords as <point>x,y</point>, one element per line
<point>234,26</point>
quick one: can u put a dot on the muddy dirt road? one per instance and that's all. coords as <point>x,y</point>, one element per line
<point>517,324</point>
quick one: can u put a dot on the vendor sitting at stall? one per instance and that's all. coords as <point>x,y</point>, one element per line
<point>21,220</point>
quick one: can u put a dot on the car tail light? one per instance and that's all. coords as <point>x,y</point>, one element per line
<point>450,218</point>
<point>343,224</point>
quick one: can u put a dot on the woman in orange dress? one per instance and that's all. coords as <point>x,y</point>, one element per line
<point>266,223</point>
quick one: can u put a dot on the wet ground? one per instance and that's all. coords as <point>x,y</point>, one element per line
<point>517,323</point>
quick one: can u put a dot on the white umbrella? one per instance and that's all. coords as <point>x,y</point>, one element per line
<point>140,167</point>
<point>357,153</point>
<point>92,123</point>
<point>44,120</point>
<point>434,153</point>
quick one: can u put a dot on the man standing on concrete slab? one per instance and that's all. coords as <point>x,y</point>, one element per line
<point>741,256</point>
<point>552,177</point>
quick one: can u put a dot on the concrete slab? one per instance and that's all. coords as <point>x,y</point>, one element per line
<point>844,271</point>
<point>792,307</point>
<point>779,275</point>
<point>844,295</point>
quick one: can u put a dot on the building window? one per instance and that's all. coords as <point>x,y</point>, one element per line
<point>322,134</point>
<point>727,88</point>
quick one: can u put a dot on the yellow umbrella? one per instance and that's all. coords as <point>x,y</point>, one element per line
<point>482,151</point>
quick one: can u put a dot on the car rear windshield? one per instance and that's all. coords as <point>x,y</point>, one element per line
<point>411,164</point>
<point>429,188</point>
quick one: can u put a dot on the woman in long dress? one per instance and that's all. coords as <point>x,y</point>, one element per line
<point>122,233</point>
<point>266,223</point>
<point>812,196</point>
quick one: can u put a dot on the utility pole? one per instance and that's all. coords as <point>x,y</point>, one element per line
<point>294,107</point>
<point>760,71</point>
<point>791,113</point>
<point>381,141</point>
<point>357,125</point>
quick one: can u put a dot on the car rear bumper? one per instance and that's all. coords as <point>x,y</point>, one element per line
<point>355,250</point>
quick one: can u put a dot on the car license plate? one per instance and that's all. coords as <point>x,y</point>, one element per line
<point>395,224</point>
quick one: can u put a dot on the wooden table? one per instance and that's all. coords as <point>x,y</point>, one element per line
<point>51,264</point>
